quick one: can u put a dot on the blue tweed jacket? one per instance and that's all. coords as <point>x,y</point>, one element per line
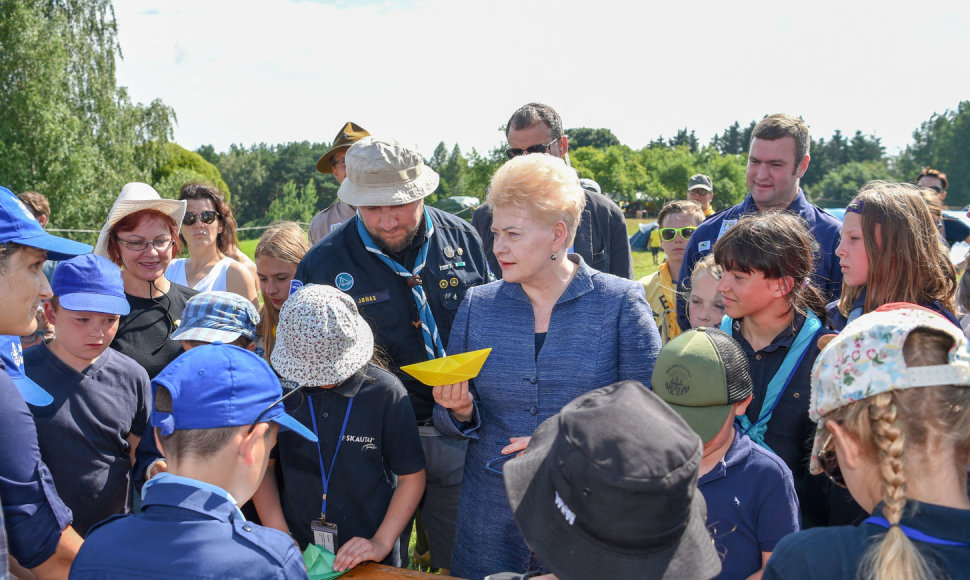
<point>601,331</point>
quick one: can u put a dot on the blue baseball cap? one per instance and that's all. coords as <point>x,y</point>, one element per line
<point>19,226</point>
<point>216,316</point>
<point>90,283</point>
<point>221,385</point>
<point>13,358</point>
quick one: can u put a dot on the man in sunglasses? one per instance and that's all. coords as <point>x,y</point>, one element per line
<point>954,230</point>
<point>778,157</point>
<point>333,162</point>
<point>602,238</point>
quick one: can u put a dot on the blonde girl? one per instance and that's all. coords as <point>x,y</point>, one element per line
<point>278,252</point>
<point>892,402</point>
<point>891,251</point>
<point>705,306</point>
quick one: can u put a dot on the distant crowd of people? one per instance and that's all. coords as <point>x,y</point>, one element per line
<point>216,416</point>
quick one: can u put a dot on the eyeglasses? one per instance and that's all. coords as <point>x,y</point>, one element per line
<point>339,162</point>
<point>935,188</point>
<point>512,153</point>
<point>207,217</point>
<point>161,244</point>
<point>668,234</point>
<point>829,462</point>
<point>295,389</point>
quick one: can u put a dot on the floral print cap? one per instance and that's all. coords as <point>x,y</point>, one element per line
<point>866,359</point>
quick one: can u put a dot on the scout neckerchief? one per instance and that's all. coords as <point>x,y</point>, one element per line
<point>913,533</point>
<point>432,342</point>
<point>325,475</point>
<point>779,382</point>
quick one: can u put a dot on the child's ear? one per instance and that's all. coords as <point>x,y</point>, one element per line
<point>848,448</point>
<point>249,441</point>
<point>741,406</point>
<point>785,285</point>
<point>50,313</point>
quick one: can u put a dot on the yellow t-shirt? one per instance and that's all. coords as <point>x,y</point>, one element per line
<point>655,238</point>
<point>662,297</point>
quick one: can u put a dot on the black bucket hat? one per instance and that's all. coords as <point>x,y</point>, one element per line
<point>607,488</point>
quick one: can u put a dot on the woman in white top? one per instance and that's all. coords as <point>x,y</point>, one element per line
<point>209,233</point>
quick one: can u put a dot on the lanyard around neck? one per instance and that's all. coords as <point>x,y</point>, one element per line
<point>914,534</point>
<point>325,475</point>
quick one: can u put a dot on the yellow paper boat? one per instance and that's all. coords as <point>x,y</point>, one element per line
<point>450,369</point>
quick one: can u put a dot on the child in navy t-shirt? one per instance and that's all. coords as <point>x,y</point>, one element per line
<point>87,436</point>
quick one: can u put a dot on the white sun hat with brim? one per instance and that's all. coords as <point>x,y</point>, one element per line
<point>135,197</point>
<point>385,172</point>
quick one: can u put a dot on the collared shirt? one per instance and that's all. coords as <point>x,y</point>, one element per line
<point>835,552</point>
<point>455,262</point>
<point>662,296</point>
<point>380,442</point>
<point>186,529</point>
<point>166,477</point>
<point>33,513</point>
<point>751,505</point>
<point>824,227</point>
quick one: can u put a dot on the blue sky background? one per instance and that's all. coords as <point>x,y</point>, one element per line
<point>426,71</point>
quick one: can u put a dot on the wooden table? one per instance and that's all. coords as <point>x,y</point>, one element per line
<point>373,570</point>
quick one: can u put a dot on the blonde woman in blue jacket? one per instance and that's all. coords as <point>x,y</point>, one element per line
<point>557,329</point>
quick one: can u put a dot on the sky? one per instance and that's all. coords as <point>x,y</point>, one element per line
<point>426,71</point>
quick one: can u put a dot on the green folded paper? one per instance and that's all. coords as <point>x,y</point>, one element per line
<point>319,563</point>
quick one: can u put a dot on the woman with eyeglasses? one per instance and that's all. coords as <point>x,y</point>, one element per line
<point>557,329</point>
<point>891,395</point>
<point>141,235</point>
<point>209,233</point>
<point>676,223</point>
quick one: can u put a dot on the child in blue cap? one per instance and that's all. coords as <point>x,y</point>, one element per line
<point>36,524</point>
<point>216,412</point>
<point>88,435</point>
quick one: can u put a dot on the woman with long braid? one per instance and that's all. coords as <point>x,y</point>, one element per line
<point>891,395</point>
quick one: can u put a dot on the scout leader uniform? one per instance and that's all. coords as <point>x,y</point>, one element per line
<point>409,299</point>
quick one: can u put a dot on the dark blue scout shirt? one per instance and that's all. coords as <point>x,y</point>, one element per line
<point>383,296</point>
<point>834,552</point>
<point>825,228</point>
<point>184,531</point>
<point>381,441</point>
<point>33,513</point>
<point>751,505</point>
<point>954,230</point>
<point>82,434</point>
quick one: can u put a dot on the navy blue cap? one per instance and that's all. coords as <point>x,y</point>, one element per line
<point>90,283</point>
<point>19,226</point>
<point>220,385</point>
<point>13,358</point>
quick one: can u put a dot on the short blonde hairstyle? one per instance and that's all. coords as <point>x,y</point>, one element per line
<point>543,185</point>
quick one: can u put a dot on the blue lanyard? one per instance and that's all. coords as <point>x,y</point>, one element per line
<point>914,534</point>
<point>324,475</point>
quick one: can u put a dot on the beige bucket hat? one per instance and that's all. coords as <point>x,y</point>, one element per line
<point>385,172</point>
<point>135,197</point>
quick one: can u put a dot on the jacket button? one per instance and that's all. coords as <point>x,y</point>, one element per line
<point>533,411</point>
<point>325,415</point>
<point>534,380</point>
<point>247,528</point>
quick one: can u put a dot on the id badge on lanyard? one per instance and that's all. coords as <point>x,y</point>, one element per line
<point>324,532</point>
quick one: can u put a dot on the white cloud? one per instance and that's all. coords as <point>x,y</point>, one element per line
<point>454,70</point>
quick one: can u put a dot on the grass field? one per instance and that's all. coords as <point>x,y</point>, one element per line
<point>642,261</point>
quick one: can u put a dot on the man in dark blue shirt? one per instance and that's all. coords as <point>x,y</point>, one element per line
<point>407,266</point>
<point>954,230</point>
<point>777,159</point>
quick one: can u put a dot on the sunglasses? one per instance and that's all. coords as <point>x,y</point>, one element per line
<point>161,244</point>
<point>207,217</point>
<point>935,188</point>
<point>829,462</point>
<point>286,384</point>
<point>512,153</point>
<point>668,234</point>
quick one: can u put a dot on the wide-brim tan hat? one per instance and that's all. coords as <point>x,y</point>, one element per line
<point>135,197</point>
<point>385,172</point>
<point>350,134</point>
